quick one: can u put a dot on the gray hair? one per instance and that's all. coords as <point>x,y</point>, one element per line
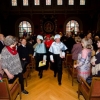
<point>10,40</point>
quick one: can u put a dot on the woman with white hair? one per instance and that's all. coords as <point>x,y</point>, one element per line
<point>57,50</point>
<point>40,55</point>
<point>83,62</point>
<point>10,62</point>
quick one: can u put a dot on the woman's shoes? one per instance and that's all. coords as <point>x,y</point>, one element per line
<point>59,83</point>
<point>40,74</point>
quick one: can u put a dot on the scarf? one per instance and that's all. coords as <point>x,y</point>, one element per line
<point>13,51</point>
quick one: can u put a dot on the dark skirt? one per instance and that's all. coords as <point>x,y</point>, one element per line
<point>38,58</point>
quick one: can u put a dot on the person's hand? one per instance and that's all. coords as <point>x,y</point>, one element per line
<point>75,66</point>
<point>52,61</point>
<point>62,57</point>
<point>32,56</point>
<point>23,58</point>
<point>44,61</point>
<point>10,76</point>
<point>93,63</point>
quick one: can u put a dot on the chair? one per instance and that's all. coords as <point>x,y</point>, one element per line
<point>32,62</point>
<point>27,73</point>
<point>72,71</point>
<point>69,60</point>
<point>9,91</point>
<point>89,92</point>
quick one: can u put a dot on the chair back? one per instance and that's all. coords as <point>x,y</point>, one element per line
<point>9,91</point>
<point>95,89</point>
<point>69,60</point>
<point>4,90</point>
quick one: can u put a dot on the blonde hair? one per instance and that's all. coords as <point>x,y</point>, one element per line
<point>77,39</point>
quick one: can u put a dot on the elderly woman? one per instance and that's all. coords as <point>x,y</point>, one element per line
<point>77,48</point>
<point>57,50</point>
<point>40,54</point>
<point>11,63</point>
<point>83,62</point>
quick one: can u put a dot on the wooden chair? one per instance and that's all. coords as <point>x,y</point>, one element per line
<point>89,92</point>
<point>9,91</point>
<point>27,73</point>
<point>72,72</point>
<point>32,63</point>
<point>69,60</point>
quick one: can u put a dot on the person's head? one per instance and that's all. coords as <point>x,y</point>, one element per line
<point>23,42</point>
<point>2,37</point>
<point>88,35</point>
<point>47,37</point>
<point>69,34</point>
<point>57,38</point>
<point>10,41</point>
<point>39,39</point>
<point>77,39</point>
<point>98,43</point>
<point>96,38</point>
<point>86,45</point>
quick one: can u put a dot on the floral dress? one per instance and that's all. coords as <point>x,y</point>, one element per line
<point>84,64</point>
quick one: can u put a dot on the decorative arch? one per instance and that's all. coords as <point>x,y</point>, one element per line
<point>18,23</point>
<point>76,19</point>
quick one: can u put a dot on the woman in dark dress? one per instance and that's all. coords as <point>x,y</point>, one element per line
<point>40,54</point>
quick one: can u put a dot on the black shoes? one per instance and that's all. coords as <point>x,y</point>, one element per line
<point>25,92</point>
<point>59,83</point>
<point>40,75</point>
<point>54,75</point>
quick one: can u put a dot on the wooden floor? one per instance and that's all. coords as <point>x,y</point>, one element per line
<point>47,88</point>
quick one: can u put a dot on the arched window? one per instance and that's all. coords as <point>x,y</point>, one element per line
<point>25,2</point>
<point>70,2</point>
<point>25,26</point>
<point>14,2</point>
<point>59,2</point>
<point>72,26</point>
<point>82,2</point>
<point>48,2</point>
<point>36,2</point>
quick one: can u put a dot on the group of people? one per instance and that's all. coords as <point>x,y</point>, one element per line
<point>55,50</point>
<point>84,53</point>
<point>14,55</point>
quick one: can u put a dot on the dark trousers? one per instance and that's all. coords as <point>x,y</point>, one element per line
<point>58,67</point>
<point>21,80</point>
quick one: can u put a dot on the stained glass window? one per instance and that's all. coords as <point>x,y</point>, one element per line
<point>82,2</point>
<point>48,2</point>
<point>59,2</point>
<point>24,26</point>
<point>36,2</point>
<point>14,2</point>
<point>72,26</point>
<point>71,2</point>
<point>25,2</point>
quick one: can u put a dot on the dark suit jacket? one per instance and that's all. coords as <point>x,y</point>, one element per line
<point>23,53</point>
<point>1,46</point>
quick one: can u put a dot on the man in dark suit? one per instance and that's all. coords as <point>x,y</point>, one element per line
<point>1,42</point>
<point>23,54</point>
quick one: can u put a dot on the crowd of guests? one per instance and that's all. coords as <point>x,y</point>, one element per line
<point>14,55</point>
